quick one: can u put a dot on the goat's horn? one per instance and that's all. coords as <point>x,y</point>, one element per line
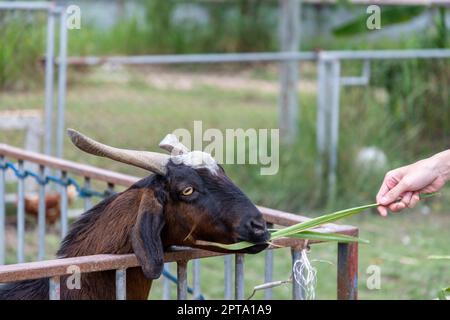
<point>152,161</point>
<point>171,144</point>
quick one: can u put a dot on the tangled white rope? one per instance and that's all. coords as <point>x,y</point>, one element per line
<point>305,275</point>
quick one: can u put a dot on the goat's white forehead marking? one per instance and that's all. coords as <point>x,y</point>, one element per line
<point>197,160</point>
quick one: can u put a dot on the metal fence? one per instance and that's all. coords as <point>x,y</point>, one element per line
<point>54,13</point>
<point>83,177</point>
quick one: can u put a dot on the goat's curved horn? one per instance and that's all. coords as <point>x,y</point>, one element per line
<point>152,161</point>
<point>171,144</point>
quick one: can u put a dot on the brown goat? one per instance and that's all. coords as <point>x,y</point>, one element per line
<point>184,201</point>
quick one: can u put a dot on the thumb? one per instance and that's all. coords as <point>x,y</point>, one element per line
<point>394,193</point>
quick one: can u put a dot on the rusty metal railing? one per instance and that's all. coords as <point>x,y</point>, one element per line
<point>54,269</point>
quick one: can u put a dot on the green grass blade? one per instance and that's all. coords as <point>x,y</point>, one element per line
<point>320,220</point>
<point>319,236</point>
<point>234,246</point>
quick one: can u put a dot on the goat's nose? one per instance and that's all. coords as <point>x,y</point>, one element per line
<point>258,227</point>
<point>258,224</point>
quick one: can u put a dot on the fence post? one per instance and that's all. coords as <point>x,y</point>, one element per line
<point>21,215</point>
<point>41,215</point>
<point>297,290</point>
<point>49,63</point>
<point>289,42</point>
<point>64,206</point>
<point>239,276</point>
<point>54,288</point>
<point>347,272</point>
<point>182,280</point>
<point>62,76</point>
<point>228,273</point>
<point>334,128</point>
<point>121,284</point>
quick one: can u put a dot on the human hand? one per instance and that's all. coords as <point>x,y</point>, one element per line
<point>425,176</point>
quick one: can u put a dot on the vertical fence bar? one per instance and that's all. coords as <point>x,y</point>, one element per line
<point>239,276</point>
<point>2,212</point>
<point>268,269</point>
<point>41,215</point>
<point>49,57</point>
<point>166,283</point>
<point>21,215</point>
<point>54,288</point>
<point>334,128</point>
<point>121,284</point>
<point>297,291</point>
<point>321,123</point>
<point>196,278</point>
<point>347,282</point>
<point>62,75</point>
<point>288,97</point>
<point>182,280</point>
<point>228,275</point>
<point>64,214</point>
<point>268,273</point>
<point>87,200</point>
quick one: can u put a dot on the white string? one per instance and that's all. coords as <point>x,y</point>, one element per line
<point>305,275</point>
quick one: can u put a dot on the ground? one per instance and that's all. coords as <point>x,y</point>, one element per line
<point>136,109</point>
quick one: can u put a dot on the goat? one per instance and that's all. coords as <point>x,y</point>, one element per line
<point>189,197</point>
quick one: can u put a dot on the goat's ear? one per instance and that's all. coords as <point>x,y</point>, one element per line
<point>146,235</point>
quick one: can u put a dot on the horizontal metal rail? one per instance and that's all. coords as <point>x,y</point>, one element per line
<point>26,5</point>
<point>91,172</point>
<point>193,58</point>
<point>261,57</point>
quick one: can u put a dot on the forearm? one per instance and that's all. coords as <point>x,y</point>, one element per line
<point>442,164</point>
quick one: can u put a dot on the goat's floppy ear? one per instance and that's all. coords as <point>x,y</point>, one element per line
<point>146,235</point>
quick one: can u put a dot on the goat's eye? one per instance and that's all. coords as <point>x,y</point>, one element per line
<point>187,191</point>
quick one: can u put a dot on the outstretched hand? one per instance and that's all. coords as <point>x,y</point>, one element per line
<point>401,187</point>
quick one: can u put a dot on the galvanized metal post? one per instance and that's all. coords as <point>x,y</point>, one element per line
<point>54,288</point>
<point>62,83</point>
<point>41,215</point>
<point>268,273</point>
<point>297,290</point>
<point>321,124</point>
<point>2,213</point>
<point>268,269</point>
<point>228,277</point>
<point>49,62</point>
<point>239,276</point>
<point>334,129</point>
<point>121,284</point>
<point>87,200</point>
<point>288,98</point>
<point>347,273</point>
<point>196,278</point>
<point>166,283</point>
<point>21,216</point>
<point>182,280</point>
<point>64,205</point>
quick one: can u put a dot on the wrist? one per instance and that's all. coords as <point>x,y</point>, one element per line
<point>441,163</point>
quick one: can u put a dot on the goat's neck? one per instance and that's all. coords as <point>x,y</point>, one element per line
<point>105,229</point>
